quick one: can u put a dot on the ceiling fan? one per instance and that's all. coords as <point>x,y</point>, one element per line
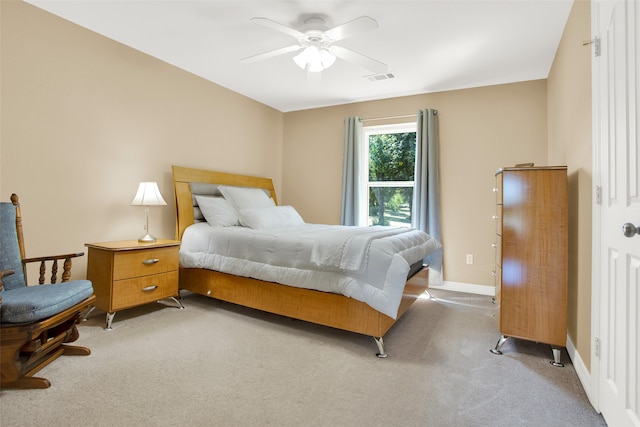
<point>317,44</point>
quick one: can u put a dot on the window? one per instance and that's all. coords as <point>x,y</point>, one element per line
<point>390,155</point>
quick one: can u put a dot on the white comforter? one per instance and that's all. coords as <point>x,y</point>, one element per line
<point>369,264</point>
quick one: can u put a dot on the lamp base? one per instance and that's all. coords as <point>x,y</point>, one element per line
<point>147,239</point>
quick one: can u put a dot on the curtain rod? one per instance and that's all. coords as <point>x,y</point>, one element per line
<point>389,118</point>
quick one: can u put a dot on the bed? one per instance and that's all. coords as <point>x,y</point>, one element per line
<point>316,306</point>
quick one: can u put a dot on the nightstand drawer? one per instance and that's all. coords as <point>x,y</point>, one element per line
<point>140,290</point>
<point>136,263</point>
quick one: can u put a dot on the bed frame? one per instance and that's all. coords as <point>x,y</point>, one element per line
<point>313,306</point>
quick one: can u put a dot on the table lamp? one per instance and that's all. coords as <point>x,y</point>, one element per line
<point>148,195</point>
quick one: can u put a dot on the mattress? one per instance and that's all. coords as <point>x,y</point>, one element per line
<point>369,264</point>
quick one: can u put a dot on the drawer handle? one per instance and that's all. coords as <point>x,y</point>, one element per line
<point>150,288</point>
<point>495,245</point>
<point>150,261</point>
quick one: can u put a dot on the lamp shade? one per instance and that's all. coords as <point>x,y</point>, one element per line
<point>148,195</point>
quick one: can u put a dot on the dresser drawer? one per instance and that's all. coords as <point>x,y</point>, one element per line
<point>136,263</point>
<point>498,218</point>
<point>498,289</point>
<point>141,290</point>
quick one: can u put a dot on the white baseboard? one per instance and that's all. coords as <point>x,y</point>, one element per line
<point>581,369</point>
<point>465,287</point>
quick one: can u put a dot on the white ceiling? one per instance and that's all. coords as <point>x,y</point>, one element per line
<point>429,45</point>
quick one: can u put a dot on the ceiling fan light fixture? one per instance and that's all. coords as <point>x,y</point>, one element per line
<point>315,67</point>
<point>315,44</point>
<point>327,58</point>
<point>303,57</point>
<point>314,59</point>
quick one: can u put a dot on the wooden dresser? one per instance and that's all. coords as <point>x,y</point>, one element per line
<point>531,255</point>
<point>129,273</point>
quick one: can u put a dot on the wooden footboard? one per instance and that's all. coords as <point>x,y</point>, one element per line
<point>323,308</point>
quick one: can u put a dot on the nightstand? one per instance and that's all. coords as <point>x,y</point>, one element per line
<point>128,273</point>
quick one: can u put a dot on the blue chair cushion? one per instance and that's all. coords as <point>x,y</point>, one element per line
<point>31,303</point>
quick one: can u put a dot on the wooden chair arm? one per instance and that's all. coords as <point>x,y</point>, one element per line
<point>4,273</point>
<point>66,271</point>
<point>52,257</point>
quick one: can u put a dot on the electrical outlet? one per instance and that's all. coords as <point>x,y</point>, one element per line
<point>469,258</point>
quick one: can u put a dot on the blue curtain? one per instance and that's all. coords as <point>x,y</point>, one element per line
<point>426,195</point>
<point>351,171</point>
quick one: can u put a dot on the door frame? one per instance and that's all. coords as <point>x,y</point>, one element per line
<point>596,220</point>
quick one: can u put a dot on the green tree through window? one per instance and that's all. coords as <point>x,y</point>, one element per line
<point>391,167</point>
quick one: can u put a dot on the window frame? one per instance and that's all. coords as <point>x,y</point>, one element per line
<point>406,127</point>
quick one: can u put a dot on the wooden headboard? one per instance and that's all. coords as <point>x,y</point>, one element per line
<point>183,177</point>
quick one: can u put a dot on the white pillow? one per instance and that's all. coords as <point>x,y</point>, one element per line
<point>217,211</point>
<point>270,217</point>
<point>245,197</point>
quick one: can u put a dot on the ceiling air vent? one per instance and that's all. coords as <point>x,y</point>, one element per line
<point>383,76</point>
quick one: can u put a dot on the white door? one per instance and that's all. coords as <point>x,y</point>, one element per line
<point>615,364</point>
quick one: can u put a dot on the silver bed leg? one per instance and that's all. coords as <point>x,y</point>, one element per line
<point>381,353</point>
<point>556,357</point>
<point>499,345</point>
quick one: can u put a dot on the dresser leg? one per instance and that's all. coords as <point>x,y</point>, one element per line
<point>499,344</point>
<point>556,357</point>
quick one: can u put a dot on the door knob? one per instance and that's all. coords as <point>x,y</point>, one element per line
<point>630,230</point>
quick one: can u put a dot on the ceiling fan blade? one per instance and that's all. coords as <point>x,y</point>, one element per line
<point>266,22</point>
<point>352,28</point>
<point>357,58</point>
<point>271,54</point>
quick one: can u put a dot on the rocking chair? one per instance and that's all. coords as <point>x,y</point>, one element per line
<point>36,322</point>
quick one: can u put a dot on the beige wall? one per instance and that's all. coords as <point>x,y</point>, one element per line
<point>480,130</point>
<point>85,119</point>
<point>569,111</point>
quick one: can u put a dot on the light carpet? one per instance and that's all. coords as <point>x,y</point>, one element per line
<point>218,364</point>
